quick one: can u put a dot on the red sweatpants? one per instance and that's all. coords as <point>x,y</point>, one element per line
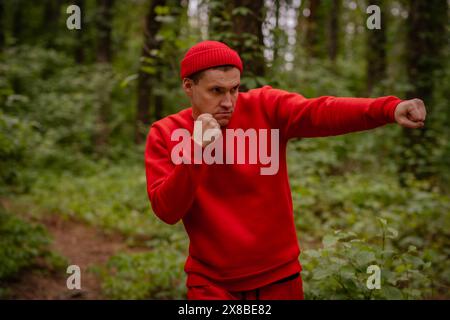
<point>285,289</point>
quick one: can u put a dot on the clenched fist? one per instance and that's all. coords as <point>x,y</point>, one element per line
<point>411,113</point>
<point>206,130</point>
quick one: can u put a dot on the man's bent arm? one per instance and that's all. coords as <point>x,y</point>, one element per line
<point>171,188</point>
<point>298,116</point>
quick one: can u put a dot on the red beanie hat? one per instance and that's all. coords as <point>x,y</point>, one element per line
<point>208,54</point>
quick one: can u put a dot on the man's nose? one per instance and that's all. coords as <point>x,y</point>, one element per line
<point>226,101</point>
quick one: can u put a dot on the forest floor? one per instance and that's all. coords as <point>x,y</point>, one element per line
<point>82,245</point>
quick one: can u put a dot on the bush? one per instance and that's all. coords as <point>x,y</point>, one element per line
<point>21,244</point>
<point>353,198</point>
<point>154,275</point>
<point>16,139</point>
<point>113,198</point>
<point>64,106</point>
<point>339,270</point>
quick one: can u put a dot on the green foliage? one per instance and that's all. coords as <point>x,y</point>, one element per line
<point>16,137</point>
<point>224,21</point>
<point>329,195</point>
<point>157,274</point>
<point>113,198</point>
<point>50,122</point>
<point>21,243</point>
<point>339,269</point>
<point>57,106</point>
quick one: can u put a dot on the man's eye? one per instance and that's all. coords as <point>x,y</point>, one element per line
<point>216,90</point>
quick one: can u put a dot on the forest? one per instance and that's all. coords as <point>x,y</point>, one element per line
<point>81,82</point>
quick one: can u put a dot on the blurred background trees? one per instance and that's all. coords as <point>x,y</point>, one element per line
<point>313,47</point>
<point>74,103</point>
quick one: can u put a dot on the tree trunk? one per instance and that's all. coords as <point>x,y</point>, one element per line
<point>104,28</point>
<point>146,77</point>
<point>426,39</point>
<point>276,31</point>
<point>17,25</point>
<point>242,31</point>
<point>376,51</point>
<point>104,55</point>
<point>251,26</point>
<point>334,25</point>
<point>159,106</point>
<point>50,26</point>
<point>315,30</point>
<point>80,35</point>
<point>2,25</point>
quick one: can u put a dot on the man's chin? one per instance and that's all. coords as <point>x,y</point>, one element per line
<point>223,122</point>
<point>223,119</point>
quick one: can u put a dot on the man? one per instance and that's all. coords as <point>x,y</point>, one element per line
<point>239,218</point>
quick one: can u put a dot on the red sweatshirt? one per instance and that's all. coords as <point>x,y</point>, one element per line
<point>240,223</point>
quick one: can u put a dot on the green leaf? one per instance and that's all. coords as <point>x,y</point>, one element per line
<point>393,233</point>
<point>162,10</point>
<point>148,69</point>
<point>329,241</point>
<point>338,261</point>
<point>363,258</point>
<point>391,293</point>
<point>322,273</point>
<point>243,11</point>
<point>312,253</point>
<point>124,83</point>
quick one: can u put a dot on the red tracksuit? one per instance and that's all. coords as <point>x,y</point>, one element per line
<point>239,222</point>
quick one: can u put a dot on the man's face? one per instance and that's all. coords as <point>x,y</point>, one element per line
<point>216,93</point>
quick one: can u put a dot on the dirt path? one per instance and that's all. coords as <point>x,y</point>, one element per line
<point>81,245</point>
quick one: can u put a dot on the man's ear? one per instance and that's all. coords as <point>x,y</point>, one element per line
<point>187,86</point>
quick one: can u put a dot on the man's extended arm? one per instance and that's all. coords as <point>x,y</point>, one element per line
<point>297,116</point>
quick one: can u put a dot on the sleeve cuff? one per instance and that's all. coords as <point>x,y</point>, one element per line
<point>391,106</point>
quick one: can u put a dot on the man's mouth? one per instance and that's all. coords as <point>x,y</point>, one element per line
<point>224,113</point>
